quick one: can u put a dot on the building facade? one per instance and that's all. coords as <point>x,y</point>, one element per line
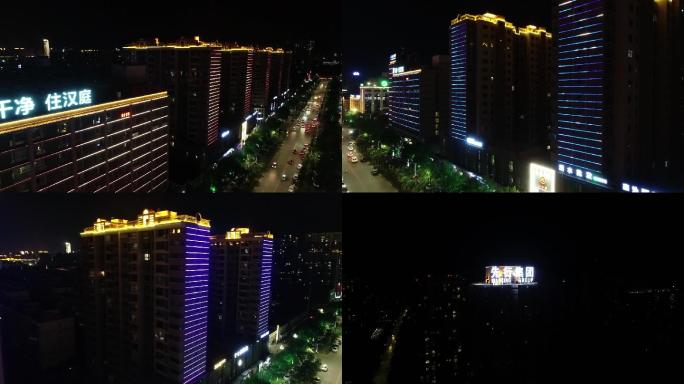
<point>146,292</point>
<point>620,93</point>
<point>373,98</point>
<point>237,66</point>
<point>191,74</point>
<point>119,146</point>
<point>500,97</point>
<point>241,269</point>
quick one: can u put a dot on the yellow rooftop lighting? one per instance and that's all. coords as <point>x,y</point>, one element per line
<point>495,19</point>
<point>147,220</point>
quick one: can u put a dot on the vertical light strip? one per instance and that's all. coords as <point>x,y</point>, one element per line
<point>458,86</point>
<point>214,96</point>
<point>196,299</point>
<point>248,84</point>
<point>265,286</point>
<point>581,90</point>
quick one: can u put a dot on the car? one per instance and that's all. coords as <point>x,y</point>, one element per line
<point>354,159</point>
<point>302,152</point>
<point>283,177</point>
<point>299,166</point>
<point>274,165</point>
<point>316,185</point>
<point>344,188</point>
<point>350,154</point>
<point>334,349</point>
<point>291,188</point>
<point>324,367</point>
<point>317,380</point>
<point>295,177</point>
<point>352,142</point>
<point>375,172</point>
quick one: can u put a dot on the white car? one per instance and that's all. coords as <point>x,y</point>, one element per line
<point>334,349</point>
<point>299,166</point>
<point>324,367</point>
<point>295,177</point>
<point>350,148</point>
<point>350,154</point>
<point>283,177</point>
<point>354,159</point>
<point>291,189</point>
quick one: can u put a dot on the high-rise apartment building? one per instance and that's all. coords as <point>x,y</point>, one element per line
<point>237,66</point>
<point>146,292</point>
<point>241,264</point>
<point>500,97</point>
<point>191,74</point>
<point>620,92</point>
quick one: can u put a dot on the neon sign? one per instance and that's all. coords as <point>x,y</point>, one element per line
<point>27,106</point>
<point>507,275</point>
<point>473,142</point>
<point>241,352</point>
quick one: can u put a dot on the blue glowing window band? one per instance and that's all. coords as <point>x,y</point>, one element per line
<point>196,300</point>
<point>458,91</point>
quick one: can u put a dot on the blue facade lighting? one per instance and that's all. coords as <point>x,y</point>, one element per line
<point>458,107</point>
<point>265,286</point>
<point>196,303</point>
<point>581,90</point>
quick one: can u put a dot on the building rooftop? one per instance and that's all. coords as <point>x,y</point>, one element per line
<point>147,220</point>
<point>197,43</point>
<point>495,19</point>
<point>238,233</point>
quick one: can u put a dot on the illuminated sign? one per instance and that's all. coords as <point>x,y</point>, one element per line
<point>397,70</point>
<point>542,179</point>
<point>473,142</point>
<point>356,73</point>
<point>509,275</point>
<point>219,364</point>
<point>27,106</point>
<point>263,335</point>
<point>634,189</point>
<point>241,352</point>
<point>125,115</point>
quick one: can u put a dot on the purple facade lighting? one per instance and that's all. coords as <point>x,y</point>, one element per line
<point>196,304</point>
<point>265,286</point>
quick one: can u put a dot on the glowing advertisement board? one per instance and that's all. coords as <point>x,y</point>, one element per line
<point>27,106</point>
<point>509,275</point>
<point>542,179</point>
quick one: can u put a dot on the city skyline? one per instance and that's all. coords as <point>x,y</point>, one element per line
<point>424,30</point>
<point>63,217</point>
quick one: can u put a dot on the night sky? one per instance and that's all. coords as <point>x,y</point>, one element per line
<point>562,235</point>
<point>375,29</point>
<point>114,23</point>
<point>45,221</point>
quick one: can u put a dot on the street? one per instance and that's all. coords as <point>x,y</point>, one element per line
<point>334,361</point>
<point>358,176</point>
<point>271,181</point>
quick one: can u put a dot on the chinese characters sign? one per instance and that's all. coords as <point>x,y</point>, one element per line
<point>17,108</point>
<point>509,275</point>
